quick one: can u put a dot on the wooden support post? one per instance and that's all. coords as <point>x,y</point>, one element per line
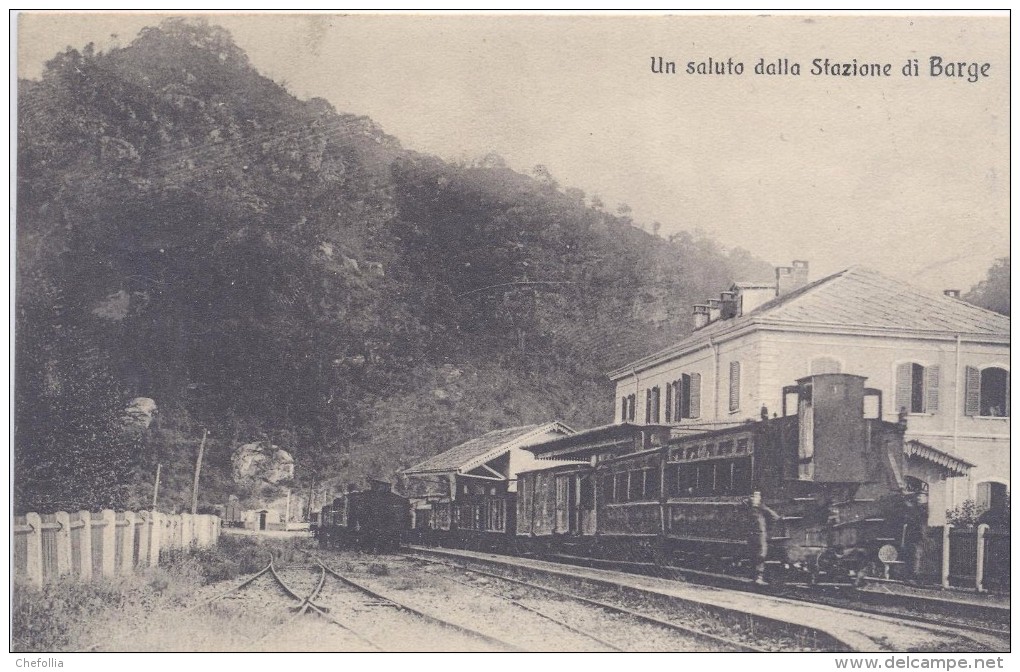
<point>156,537</point>
<point>945,554</point>
<point>109,542</point>
<point>34,548</point>
<point>979,569</point>
<point>127,544</point>
<point>143,527</point>
<point>63,539</point>
<point>85,546</point>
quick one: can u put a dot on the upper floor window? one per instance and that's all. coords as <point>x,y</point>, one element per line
<point>987,392</point>
<point>734,386</point>
<point>917,388</point>
<point>825,364</point>
<point>683,398</point>
<point>627,405</point>
<point>652,403</point>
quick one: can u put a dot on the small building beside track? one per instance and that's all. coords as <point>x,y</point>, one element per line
<point>471,488</point>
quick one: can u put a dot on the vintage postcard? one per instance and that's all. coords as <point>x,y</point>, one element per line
<point>512,332</point>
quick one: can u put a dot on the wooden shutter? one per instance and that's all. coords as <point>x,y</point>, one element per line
<point>903,386</point>
<point>931,389</point>
<point>623,409</point>
<point>1006,409</point>
<point>972,392</point>
<point>734,386</point>
<point>656,403</point>
<point>695,393</point>
<point>648,406</point>
<point>669,403</point>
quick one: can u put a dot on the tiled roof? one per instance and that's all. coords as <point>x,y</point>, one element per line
<point>860,296</point>
<point>855,298</point>
<point>454,458</point>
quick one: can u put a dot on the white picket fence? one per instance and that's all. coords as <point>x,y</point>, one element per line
<point>87,545</point>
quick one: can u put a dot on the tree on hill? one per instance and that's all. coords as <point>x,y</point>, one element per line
<point>992,292</point>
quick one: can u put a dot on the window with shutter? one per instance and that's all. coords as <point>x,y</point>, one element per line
<point>917,388</point>
<point>656,394</point>
<point>994,392</point>
<point>694,388</point>
<point>972,393</point>
<point>669,403</point>
<point>623,409</point>
<point>931,389</point>
<point>685,400</point>
<point>648,406</point>
<point>734,386</point>
<point>904,385</point>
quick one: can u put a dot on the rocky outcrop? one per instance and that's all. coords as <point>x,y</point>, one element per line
<point>260,462</point>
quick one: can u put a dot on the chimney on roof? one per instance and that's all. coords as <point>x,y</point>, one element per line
<point>713,310</point>
<point>790,278</point>
<point>727,305</point>
<point>952,293</point>
<point>700,315</point>
<point>750,295</point>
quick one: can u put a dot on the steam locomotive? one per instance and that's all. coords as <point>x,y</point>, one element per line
<point>371,520</point>
<point>817,493</point>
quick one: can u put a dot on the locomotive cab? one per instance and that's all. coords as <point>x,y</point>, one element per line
<point>845,500</point>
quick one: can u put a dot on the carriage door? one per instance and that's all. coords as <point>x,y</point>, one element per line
<point>575,509</point>
<point>564,508</point>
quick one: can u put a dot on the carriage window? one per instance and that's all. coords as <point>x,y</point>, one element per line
<point>637,486</point>
<point>669,485</point>
<point>587,494</point>
<point>742,475</point>
<point>725,448</point>
<point>692,452</point>
<point>652,484</point>
<point>742,446</point>
<point>606,491</point>
<point>621,488</point>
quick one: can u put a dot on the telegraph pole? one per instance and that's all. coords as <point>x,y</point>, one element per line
<point>155,490</point>
<point>198,471</point>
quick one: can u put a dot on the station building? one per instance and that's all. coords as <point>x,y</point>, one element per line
<point>939,362</point>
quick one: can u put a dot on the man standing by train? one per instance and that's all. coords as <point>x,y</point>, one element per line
<point>758,538</point>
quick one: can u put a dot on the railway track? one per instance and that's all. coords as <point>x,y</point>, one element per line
<point>982,634</point>
<point>986,625</point>
<point>845,626</point>
<point>310,606</point>
<point>490,642</point>
<point>725,643</point>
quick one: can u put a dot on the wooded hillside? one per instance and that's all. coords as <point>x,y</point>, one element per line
<point>272,269</point>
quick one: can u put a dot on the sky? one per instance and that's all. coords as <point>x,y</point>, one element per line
<point>908,175</point>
